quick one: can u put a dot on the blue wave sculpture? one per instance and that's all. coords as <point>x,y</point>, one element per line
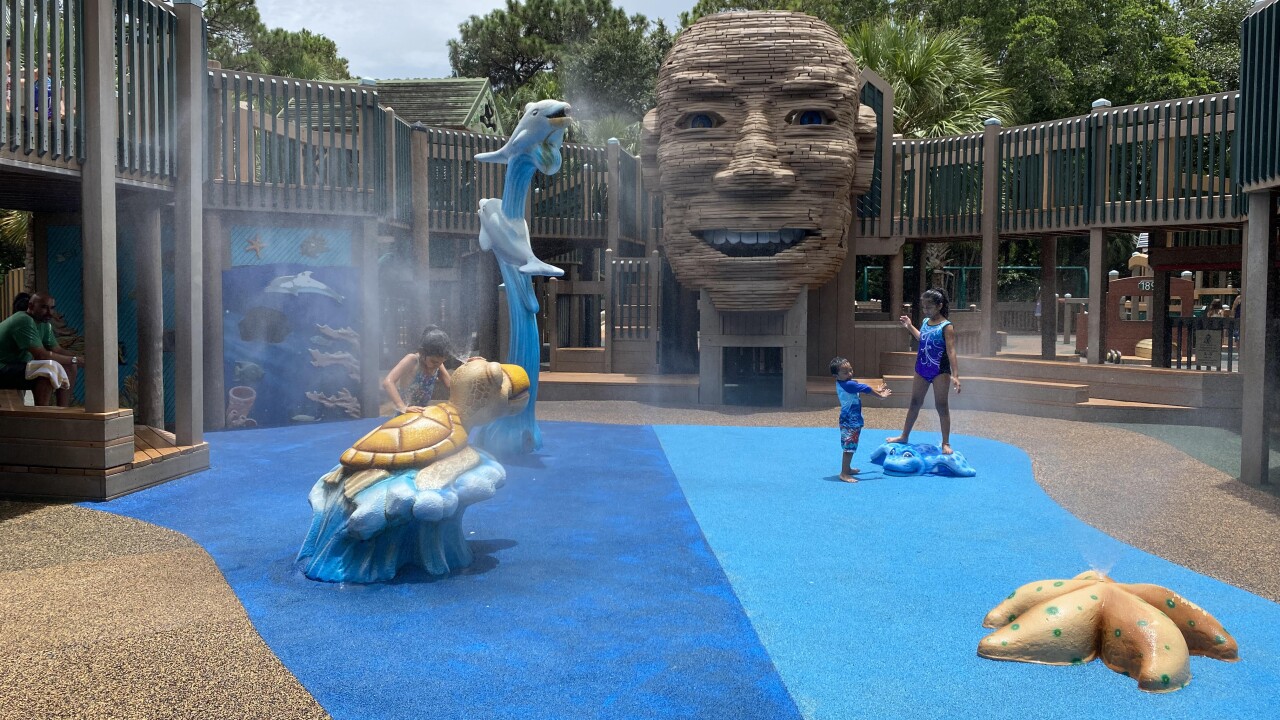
<point>920,459</point>
<point>394,524</point>
<point>398,496</point>
<point>535,145</point>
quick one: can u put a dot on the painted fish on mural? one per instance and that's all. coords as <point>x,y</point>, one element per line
<point>301,283</point>
<point>345,334</point>
<point>248,372</point>
<point>314,246</point>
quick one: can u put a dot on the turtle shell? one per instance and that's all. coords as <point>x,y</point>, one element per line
<point>409,440</point>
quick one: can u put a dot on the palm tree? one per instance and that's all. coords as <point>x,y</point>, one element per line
<point>942,82</point>
<point>15,230</point>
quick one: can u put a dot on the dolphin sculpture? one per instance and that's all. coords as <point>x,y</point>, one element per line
<point>537,136</point>
<point>509,240</point>
<point>301,283</point>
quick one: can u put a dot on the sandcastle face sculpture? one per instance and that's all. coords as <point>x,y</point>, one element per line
<point>1144,631</point>
<point>398,497</point>
<point>759,145</point>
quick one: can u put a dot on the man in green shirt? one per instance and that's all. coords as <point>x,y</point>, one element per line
<point>26,336</point>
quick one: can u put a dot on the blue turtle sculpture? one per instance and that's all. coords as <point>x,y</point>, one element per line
<point>920,459</point>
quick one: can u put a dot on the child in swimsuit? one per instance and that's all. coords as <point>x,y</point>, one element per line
<point>848,390</point>
<point>935,364</point>
<point>426,367</point>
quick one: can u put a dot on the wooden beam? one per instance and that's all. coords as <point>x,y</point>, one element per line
<point>188,227</point>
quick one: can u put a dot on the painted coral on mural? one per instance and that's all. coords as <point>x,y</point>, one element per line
<point>759,145</point>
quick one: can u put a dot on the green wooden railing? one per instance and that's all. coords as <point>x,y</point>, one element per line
<point>573,203</point>
<point>1156,164</point>
<point>455,182</point>
<point>146,88</point>
<point>869,203</point>
<point>629,201</point>
<point>293,145</point>
<point>936,187</point>
<point>403,180</point>
<point>42,120</point>
<point>1259,158</point>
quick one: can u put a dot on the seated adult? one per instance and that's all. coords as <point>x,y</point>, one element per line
<point>30,358</point>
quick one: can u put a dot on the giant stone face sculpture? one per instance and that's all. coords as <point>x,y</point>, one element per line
<point>758,145</point>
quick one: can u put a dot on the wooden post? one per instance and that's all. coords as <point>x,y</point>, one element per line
<point>188,211</point>
<point>710,357</point>
<point>216,258</point>
<point>896,281</point>
<point>145,221</point>
<point>922,282</point>
<point>370,313</point>
<point>655,305</point>
<point>990,233</point>
<point>421,160</point>
<point>393,202</point>
<point>553,320</point>
<point>1256,342</point>
<point>1158,309</point>
<point>98,210</point>
<point>795,374</point>
<point>1096,353</point>
<point>613,232</point>
<point>1048,297</point>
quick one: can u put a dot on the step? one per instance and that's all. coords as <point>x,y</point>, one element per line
<point>1032,391</point>
<point>1131,383</point>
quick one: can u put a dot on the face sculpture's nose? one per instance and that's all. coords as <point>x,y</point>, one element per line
<point>754,168</point>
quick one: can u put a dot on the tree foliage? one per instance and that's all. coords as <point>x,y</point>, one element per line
<point>510,46</point>
<point>239,40</point>
<point>595,56</point>
<point>1060,55</point>
<point>942,83</point>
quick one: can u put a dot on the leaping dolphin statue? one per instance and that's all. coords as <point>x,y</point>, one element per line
<point>509,240</point>
<point>538,136</point>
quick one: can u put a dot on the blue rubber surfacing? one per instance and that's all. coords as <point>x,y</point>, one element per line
<point>593,592</point>
<point>870,597</point>
<point>616,572</point>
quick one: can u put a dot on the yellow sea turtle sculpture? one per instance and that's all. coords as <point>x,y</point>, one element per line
<point>483,390</point>
<point>398,495</point>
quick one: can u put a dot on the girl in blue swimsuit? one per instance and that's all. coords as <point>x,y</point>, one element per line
<point>935,364</point>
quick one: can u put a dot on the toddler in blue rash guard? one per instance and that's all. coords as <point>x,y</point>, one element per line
<point>848,390</point>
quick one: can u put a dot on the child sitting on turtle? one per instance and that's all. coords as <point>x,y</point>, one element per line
<point>848,390</point>
<point>425,367</point>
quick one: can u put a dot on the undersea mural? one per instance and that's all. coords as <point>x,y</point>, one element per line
<point>291,306</point>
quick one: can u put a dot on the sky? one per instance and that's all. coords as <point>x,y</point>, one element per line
<point>386,39</point>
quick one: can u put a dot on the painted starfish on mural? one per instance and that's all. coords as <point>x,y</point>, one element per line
<point>255,246</point>
<point>1144,631</point>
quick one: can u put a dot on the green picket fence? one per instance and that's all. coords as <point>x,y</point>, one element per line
<point>294,145</point>
<point>146,88</point>
<point>1259,156</point>
<point>42,122</point>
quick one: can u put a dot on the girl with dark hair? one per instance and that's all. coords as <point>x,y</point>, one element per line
<point>935,364</point>
<point>425,367</point>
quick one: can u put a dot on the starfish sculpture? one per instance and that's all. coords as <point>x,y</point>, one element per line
<point>1143,631</point>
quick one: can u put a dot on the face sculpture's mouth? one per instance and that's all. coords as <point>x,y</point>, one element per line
<point>742,243</point>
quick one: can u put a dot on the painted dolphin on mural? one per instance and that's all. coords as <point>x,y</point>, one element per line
<point>301,283</point>
<point>509,240</point>
<point>538,135</point>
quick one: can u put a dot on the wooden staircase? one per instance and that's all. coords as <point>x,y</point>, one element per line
<point>1071,391</point>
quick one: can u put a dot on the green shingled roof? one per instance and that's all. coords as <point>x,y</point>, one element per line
<point>445,102</point>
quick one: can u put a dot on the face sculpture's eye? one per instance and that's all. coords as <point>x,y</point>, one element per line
<point>700,121</point>
<point>809,117</point>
